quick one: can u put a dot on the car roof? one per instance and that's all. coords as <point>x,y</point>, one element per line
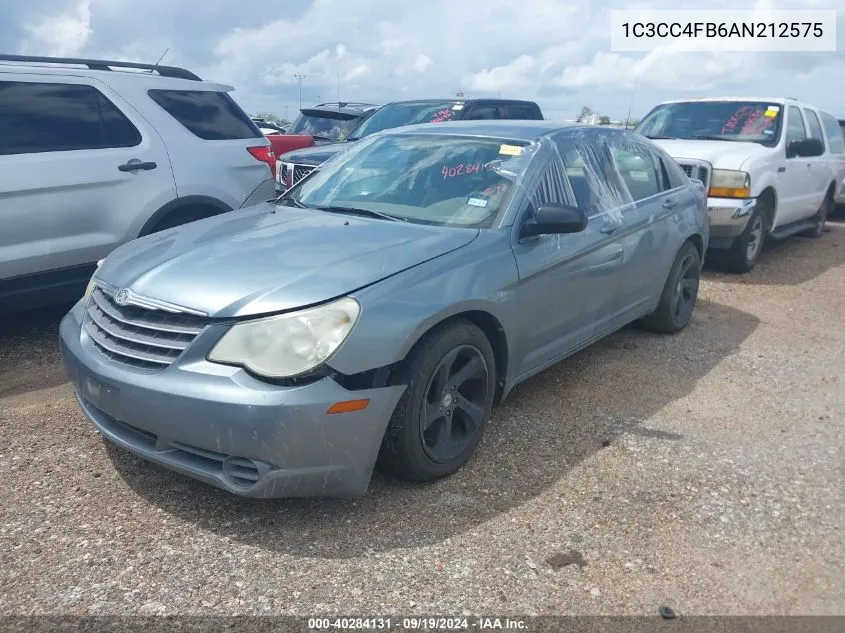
<point>773,100</point>
<point>516,129</point>
<point>461,100</point>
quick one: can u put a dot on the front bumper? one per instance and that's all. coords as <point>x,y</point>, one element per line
<point>728,219</point>
<point>217,424</point>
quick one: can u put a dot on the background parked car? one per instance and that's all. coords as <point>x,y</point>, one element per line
<point>294,166</point>
<point>267,127</point>
<point>773,167</point>
<point>412,283</point>
<point>841,198</point>
<point>320,124</point>
<point>95,155</point>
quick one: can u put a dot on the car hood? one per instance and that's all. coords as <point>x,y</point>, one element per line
<point>720,154</point>
<point>312,155</point>
<point>270,259</point>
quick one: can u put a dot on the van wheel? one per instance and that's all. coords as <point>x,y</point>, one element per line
<point>438,422</point>
<point>679,294</point>
<point>746,249</point>
<point>820,217</point>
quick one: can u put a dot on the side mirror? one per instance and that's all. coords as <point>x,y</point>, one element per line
<point>805,148</point>
<point>555,219</point>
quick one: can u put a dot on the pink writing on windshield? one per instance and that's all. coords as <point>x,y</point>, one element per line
<point>757,123</point>
<point>498,188</point>
<point>739,115</point>
<point>442,115</point>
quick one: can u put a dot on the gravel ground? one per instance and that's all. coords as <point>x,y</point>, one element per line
<point>704,471</point>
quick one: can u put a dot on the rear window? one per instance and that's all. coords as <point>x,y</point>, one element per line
<point>212,116</point>
<point>53,117</point>
<point>835,133</point>
<point>518,112</point>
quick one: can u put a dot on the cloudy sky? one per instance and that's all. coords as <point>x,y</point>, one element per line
<point>554,51</point>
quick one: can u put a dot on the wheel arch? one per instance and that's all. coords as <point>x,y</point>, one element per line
<point>492,329</point>
<point>180,204</point>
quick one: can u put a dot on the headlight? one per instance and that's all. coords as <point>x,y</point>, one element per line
<point>727,183</point>
<point>89,289</point>
<point>288,344</point>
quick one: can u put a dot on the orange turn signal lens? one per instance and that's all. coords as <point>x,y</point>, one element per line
<point>729,192</point>
<point>348,406</point>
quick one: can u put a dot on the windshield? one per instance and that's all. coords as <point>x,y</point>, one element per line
<point>398,114</point>
<point>327,127</point>
<point>425,179</point>
<point>751,121</point>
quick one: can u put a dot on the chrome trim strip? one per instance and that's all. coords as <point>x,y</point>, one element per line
<point>149,303</point>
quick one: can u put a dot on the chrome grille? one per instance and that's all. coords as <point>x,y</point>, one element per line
<point>300,171</point>
<point>139,337</point>
<point>699,171</point>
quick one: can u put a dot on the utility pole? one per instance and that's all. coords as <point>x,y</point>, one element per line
<point>286,114</point>
<point>300,77</point>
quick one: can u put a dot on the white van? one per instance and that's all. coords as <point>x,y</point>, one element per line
<point>773,167</point>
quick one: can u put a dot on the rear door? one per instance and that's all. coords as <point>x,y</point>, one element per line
<point>209,139</point>
<point>77,166</point>
<point>660,200</point>
<point>821,167</point>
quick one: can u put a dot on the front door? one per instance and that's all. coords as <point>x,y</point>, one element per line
<point>796,195</point>
<point>568,284</point>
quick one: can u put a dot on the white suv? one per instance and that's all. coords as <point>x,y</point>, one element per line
<point>96,153</point>
<point>773,167</point>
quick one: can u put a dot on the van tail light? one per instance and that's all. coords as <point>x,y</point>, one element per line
<point>265,154</point>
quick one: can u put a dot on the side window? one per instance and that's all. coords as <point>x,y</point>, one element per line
<point>795,126</point>
<point>212,116</point>
<point>835,134</point>
<point>673,175</point>
<point>639,170</point>
<point>815,126</point>
<point>53,117</point>
<point>594,182</point>
<point>483,112</point>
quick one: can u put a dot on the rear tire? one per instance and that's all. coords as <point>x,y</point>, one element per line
<point>821,217</point>
<point>438,422</point>
<point>680,293</point>
<point>745,250</point>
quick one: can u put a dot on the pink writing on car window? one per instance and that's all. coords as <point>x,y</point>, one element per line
<point>739,115</point>
<point>460,170</point>
<point>442,115</point>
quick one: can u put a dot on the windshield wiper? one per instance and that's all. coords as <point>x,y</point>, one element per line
<point>320,137</point>
<point>293,201</point>
<point>713,137</point>
<point>365,212</point>
<point>662,138</point>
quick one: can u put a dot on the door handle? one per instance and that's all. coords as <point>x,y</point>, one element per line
<point>669,204</point>
<point>781,170</point>
<point>136,165</point>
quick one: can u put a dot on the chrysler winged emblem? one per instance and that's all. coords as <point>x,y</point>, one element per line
<point>122,297</point>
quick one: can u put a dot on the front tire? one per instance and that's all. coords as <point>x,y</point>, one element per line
<point>746,249</point>
<point>439,421</point>
<point>680,293</point>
